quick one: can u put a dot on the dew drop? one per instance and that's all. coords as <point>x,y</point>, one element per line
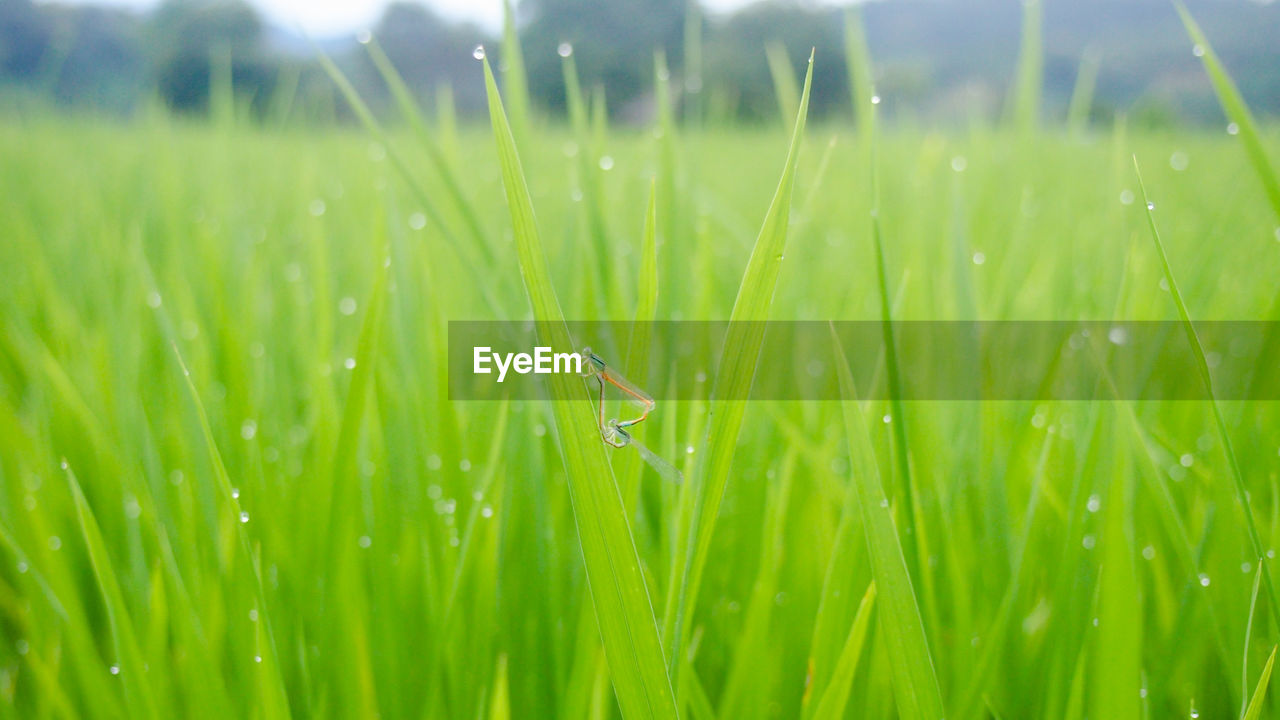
<point>1245,567</point>
<point>23,567</point>
<point>1126,197</point>
<point>1186,460</point>
<point>244,516</point>
<point>257,658</point>
<point>1197,50</point>
<point>486,512</point>
<point>606,162</point>
<point>959,163</point>
<point>979,258</point>
<point>565,50</point>
<point>884,503</point>
<point>347,306</point>
<point>235,493</point>
<point>349,363</point>
<point>875,99</point>
<point>887,419</point>
<point>154,299</point>
<point>55,543</point>
<point>1204,580</point>
<point>1094,503</point>
<point>1179,161</point>
<point>253,614</point>
<point>1233,129</point>
<point>115,669</point>
<point>248,429</point>
<point>365,542</point>
<point>1151,205</point>
<point>464,465</point>
<point>478,52</point>
<point>1149,552</point>
<point>316,208</point>
<point>363,37</point>
<point>417,221</point>
<point>1088,542</point>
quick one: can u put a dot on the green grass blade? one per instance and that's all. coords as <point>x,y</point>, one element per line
<point>515,83</point>
<point>474,256</point>
<point>915,686</point>
<point>500,705</point>
<point>733,381</point>
<point>636,363</point>
<point>1082,94</point>
<point>1237,111</point>
<point>1030,78</point>
<point>836,696</point>
<point>1248,639</point>
<point>128,661</point>
<point>862,88</point>
<point>623,610</point>
<point>1202,366</point>
<point>916,545</point>
<point>408,107</point>
<point>1254,710</point>
<point>693,65</point>
<point>1119,639</point>
<point>344,483</point>
<point>784,80</point>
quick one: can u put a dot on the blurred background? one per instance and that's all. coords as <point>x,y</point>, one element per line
<point>939,62</point>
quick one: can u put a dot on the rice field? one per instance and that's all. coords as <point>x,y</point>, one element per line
<point>233,483</point>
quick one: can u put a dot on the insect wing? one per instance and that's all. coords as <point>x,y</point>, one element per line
<point>659,465</point>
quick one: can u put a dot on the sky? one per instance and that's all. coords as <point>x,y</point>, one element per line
<point>332,17</point>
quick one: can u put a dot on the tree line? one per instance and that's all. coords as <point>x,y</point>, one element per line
<point>936,60</point>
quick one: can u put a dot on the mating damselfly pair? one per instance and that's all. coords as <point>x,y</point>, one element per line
<point>615,432</point>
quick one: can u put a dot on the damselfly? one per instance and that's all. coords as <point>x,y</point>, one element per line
<point>613,431</point>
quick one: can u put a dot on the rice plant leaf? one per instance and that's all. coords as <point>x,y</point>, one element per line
<point>1119,641</point>
<point>474,256</point>
<point>835,698</point>
<point>915,685</point>
<point>636,363</point>
<point>1202,366</point>
<point>345,479</point>
<point>443,166</point>
<point>515,81</point>
<point>628,631</point>
<point>1254,711</point>
<point>861,86</point>
<point>1026,107</point>
<point>1236,109</point>
<point>1082,94</point>
<point>500,704</point>
<point>733,381</point>
<point>128,655</point>
<point>784,80</point>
